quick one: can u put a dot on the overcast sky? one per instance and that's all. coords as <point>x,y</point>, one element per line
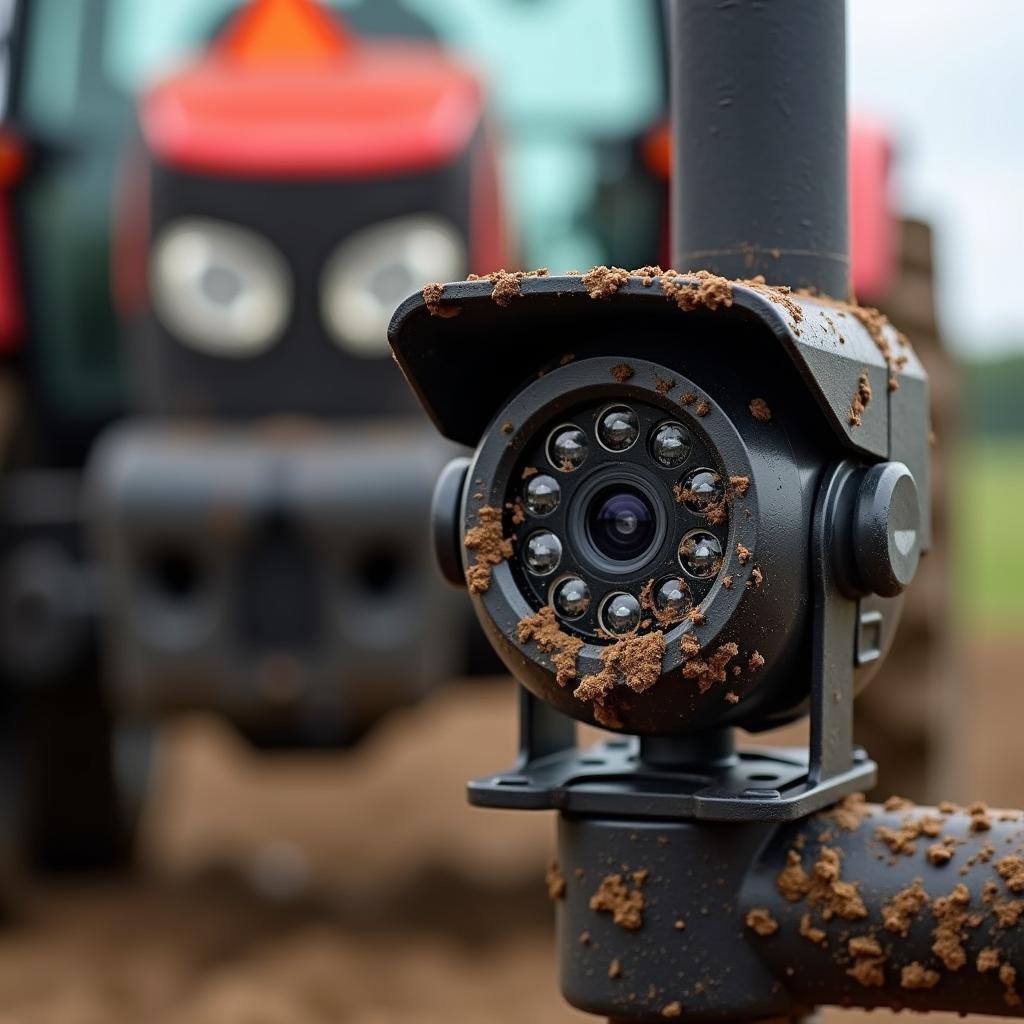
<point>947,77</point>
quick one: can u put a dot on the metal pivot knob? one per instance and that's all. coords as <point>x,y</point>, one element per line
<point>445,520</point>
<point>887,529</point>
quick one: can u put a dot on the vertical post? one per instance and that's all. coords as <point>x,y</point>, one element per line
<point>759,182</point>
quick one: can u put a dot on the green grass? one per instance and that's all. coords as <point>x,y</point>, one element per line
<point>986,493</point>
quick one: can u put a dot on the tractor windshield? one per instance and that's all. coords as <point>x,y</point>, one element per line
<point>592,64</point>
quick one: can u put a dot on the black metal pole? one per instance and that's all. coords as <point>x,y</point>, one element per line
<point>759,181</point>
<point>907,908</point>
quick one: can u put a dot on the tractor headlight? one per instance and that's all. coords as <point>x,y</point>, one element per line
<point>373,270</point>
<point>219,288</point>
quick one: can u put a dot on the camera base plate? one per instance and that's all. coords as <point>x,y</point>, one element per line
<point>610,778</point>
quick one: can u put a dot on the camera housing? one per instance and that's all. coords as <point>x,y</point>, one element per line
<point>796,504</point>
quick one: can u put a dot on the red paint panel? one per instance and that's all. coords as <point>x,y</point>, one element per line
<point>378,109</point>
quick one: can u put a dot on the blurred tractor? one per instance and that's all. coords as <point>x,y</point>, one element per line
<point>264,530</point>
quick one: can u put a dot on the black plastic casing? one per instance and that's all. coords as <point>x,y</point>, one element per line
<point>806,370</point>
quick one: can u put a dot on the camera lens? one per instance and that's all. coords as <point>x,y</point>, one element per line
<point>670,445</point>
<point>621,614</point>
<point>618,428</point>
<point>621,522</point>
<point>568,448</point>
<point>571,597</point>
<point>542,495</point>
<point>700,554</point>
<point>672,596</point>
<point>543,553</point>
<point>702,489</point>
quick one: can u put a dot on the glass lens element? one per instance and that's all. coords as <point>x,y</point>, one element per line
<point>670,445</point>
<point>621,614</point>
<point>672,596</point>
<point>621,522</point>
<point>700,554</point>
<point>618,428</point>
<point>702,489</point>
<point>568,448</point>
<point>543,553</point>
<point>571,598</point>
<point>542,495</point>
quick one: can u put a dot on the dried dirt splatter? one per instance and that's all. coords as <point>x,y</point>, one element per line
<point>489,547</point>
<point>615,897</point>
<point>555,881</point>
<point>694,290</point>
<point>601,282</point>
<point>433,295</point>
<point>506,284</point>
<point>861,400</point>
<point>708,671</point>
<point>760,921</point>
<point>543,629</point>
<point>634,661</point>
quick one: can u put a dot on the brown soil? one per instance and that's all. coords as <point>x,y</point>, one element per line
<point>861,400</point>
<point>432,295</point>
<point>543,629</point>
<point>506,283</point>
<point>759,410</point>
<point>761,922</point>
<point>634,661</point>
<point>555,881</point>
<point>601,282</point>
<point>694,290</point>
<point>622,372</point>
<point>916,976</point>
<point>711,670</point>
<point>625,904</point>
<point>490,547</point>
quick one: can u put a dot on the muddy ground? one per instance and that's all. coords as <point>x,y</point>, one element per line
<point>309,889</point>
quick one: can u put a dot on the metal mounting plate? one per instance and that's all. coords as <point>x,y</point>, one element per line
<point>609,778</point>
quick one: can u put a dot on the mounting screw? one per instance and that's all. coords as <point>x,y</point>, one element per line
<point>887,529</point>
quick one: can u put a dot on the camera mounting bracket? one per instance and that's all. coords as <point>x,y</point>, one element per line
<point>705,778</point>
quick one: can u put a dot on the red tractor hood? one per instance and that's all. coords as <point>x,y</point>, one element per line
<point>366,109</point>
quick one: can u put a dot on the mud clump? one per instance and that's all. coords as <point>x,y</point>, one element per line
<point>543,629</point>
<point>901,910</point>
<point>698,289</point>
<point>759,410</point>
<point>811,933</point>
<point>917,976</point>
<point>672,1010</point>
<point>432,296</point>
<point>760,922</point>
<point>1011,870</point>
<point>489,546</point>
<point>951,916</point>
<point>988,960</point>
<point>622,372</point>
<point>602,282</point>
<point>708,671</point>
<point>555,882</point>
<point>861,400</point>
<point>615,897</point>
<point>823,887</point>
<point>506,284</point>
<point>850,811</point>
<point>634,661</point>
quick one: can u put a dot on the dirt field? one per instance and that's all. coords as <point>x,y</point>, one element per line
<point>359,888</point>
